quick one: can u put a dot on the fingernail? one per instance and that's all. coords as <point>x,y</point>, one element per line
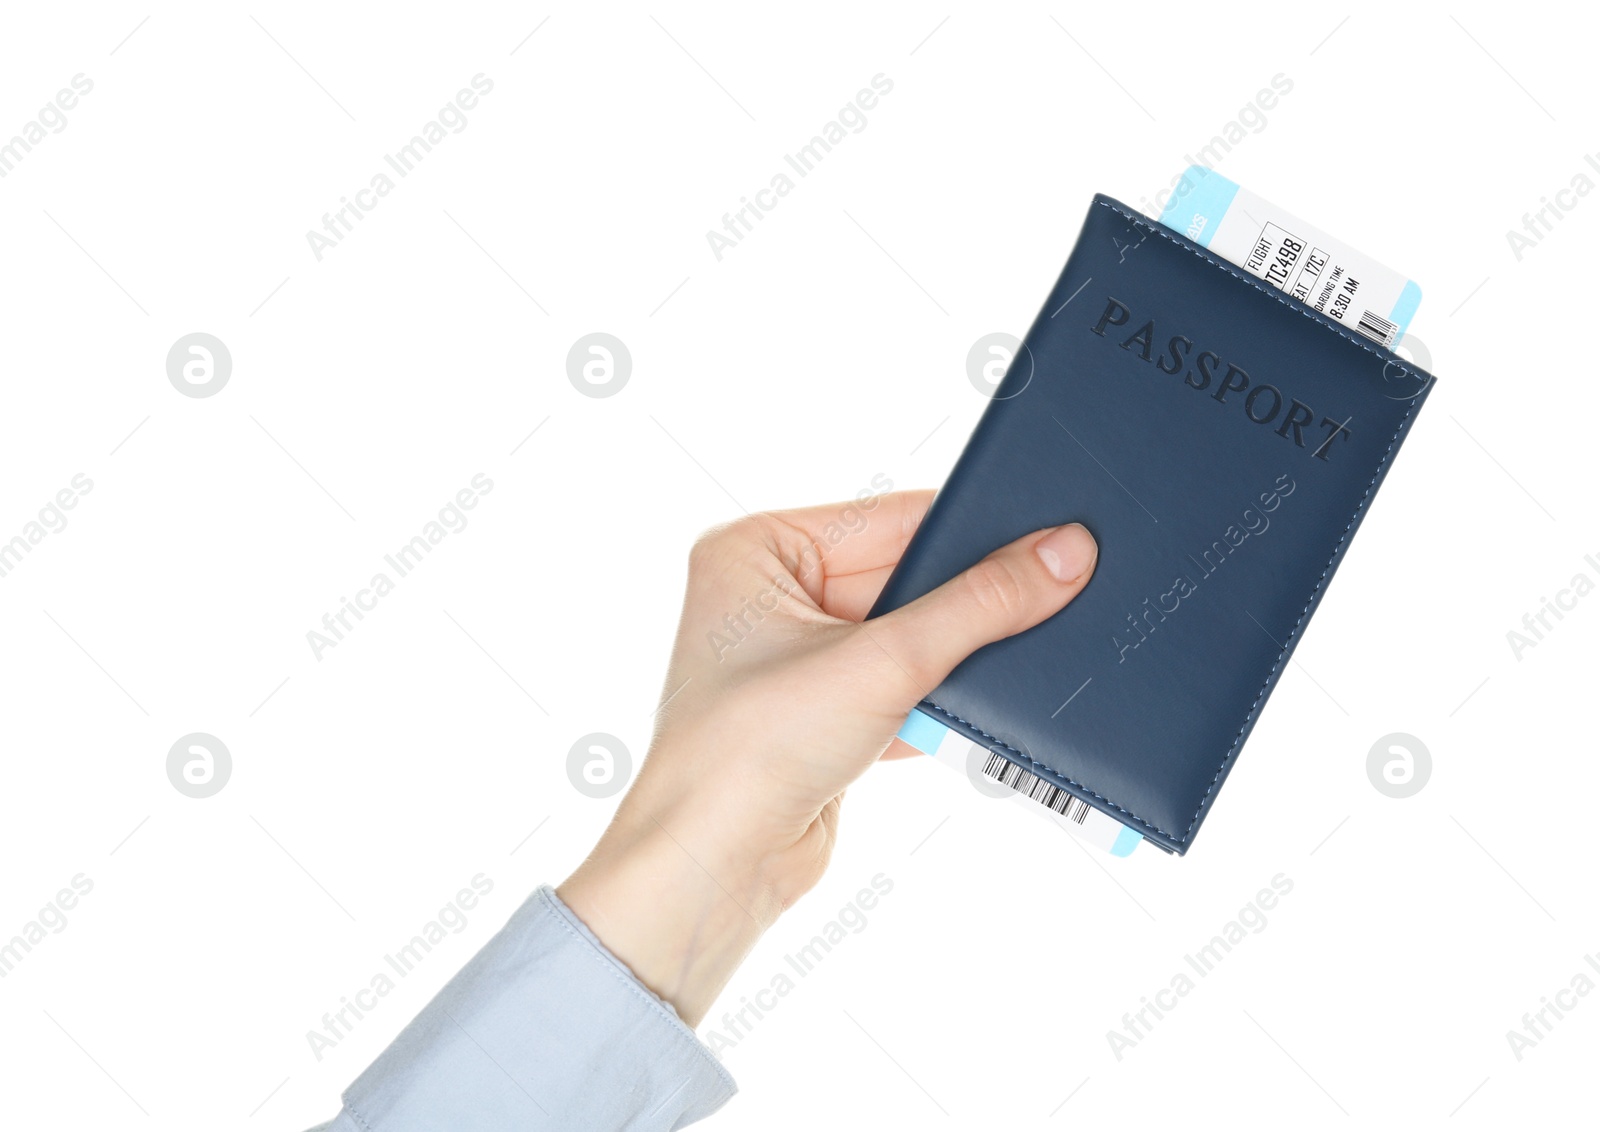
<point>1068,552</point>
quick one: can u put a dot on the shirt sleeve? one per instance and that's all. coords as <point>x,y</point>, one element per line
<point>543,1029</point>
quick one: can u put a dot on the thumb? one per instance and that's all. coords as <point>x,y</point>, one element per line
<point>1015,588</point>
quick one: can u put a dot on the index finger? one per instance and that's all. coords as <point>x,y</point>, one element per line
<point>859,535</point>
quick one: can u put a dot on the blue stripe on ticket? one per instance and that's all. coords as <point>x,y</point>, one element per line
<point>923,732</point>
<point>1197,204</point>
<point>1127,841</point>
<point>1406,305</point>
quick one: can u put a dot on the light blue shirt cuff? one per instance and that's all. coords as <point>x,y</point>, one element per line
<point>543,1029</point>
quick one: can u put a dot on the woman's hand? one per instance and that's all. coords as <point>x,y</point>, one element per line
<point>778,697</point>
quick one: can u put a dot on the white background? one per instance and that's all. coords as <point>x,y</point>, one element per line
<point>829,347</point>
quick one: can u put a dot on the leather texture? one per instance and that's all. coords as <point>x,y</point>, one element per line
<point>1220,521</point>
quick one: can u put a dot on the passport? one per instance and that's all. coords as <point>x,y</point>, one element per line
<point>1223,442</point>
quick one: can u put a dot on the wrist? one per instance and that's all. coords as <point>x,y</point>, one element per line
<point>676,906</point>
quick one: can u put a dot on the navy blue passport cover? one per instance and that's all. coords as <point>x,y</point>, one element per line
<point>1222,442</point>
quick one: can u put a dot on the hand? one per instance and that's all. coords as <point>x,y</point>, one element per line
<point>777,697</point>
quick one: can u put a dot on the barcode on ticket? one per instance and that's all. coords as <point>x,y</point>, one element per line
<point>1008,773</point>
<point>985,769</point>
<point>1379,329</point>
